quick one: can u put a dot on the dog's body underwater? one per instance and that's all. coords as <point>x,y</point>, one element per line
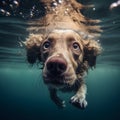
<point>65,42</point>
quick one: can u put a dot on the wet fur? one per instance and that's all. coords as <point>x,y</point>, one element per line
<point>66,16</point>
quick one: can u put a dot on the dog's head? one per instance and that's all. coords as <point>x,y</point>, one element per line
<point>64,54</point>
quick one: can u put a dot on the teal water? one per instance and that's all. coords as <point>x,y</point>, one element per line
<point>23,95</point>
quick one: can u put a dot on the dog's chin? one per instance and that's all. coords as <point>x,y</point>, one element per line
<point>59,81</point>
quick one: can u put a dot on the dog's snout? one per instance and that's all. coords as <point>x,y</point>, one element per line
<point>56,66</point>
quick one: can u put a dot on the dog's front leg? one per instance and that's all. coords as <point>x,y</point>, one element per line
<point>79,99</point>
<point>53,95</point>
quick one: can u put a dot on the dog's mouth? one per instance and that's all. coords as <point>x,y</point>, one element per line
<point>66,79</point>
<point>55,80</point>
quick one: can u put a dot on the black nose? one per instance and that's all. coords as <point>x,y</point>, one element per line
<point>56,66</point>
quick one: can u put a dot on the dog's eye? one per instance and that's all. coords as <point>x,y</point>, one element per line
<point>46,45</point>
<point>76,46</point>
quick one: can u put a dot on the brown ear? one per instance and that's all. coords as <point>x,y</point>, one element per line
<point>91,50</point>
<point>32,44</point>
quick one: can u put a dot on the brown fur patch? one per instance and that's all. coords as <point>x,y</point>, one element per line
<point>64,15</point>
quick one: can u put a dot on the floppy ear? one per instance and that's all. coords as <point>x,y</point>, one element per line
<point>32,44</point>
<point>91,50</point>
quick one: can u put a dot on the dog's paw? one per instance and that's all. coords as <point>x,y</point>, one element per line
<point>60,103</point>
<point>79,101</point>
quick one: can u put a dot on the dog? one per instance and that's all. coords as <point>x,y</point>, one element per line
<point>65,44</point>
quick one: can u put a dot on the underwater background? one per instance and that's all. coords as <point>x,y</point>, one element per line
<point>23,95</point>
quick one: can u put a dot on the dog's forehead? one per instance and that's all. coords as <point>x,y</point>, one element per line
<point>63,34</point>
<point>67,31</point>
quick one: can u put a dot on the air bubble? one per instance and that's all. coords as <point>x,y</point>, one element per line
<point>8,14</point>
<point>20,13</point>
<point>94,9</point>
<point>98,41</point>
<point>11,6</point>
<point>2,11</point>
<point>31,14</point>
<point>118,2</point>
<point>114,5</point>
<point>15,3</point>
<point>3,2</point>
<point>67,9</point>
<point>33,7</point>
<point>66,13</point>
<point>60,1</point>
<point>54,4</point>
